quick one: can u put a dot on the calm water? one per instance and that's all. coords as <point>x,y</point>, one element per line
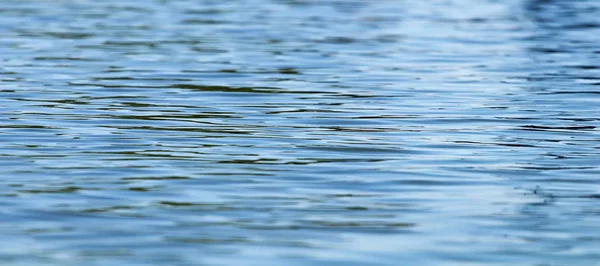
<point>299,132</point>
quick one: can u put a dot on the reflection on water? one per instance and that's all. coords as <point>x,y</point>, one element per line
<point>299,132</point>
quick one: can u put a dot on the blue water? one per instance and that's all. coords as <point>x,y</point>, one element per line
<point>299,132</point>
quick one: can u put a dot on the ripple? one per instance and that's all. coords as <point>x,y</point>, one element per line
<point>299,132</point>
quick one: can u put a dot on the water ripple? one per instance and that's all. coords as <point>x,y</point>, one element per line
<point>299,132</point>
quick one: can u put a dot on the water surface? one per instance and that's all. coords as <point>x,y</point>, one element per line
<point>299,132</point>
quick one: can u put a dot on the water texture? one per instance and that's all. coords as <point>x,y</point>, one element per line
<point>299,132</point>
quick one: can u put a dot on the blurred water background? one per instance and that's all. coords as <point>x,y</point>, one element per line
<point>299,132</point>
